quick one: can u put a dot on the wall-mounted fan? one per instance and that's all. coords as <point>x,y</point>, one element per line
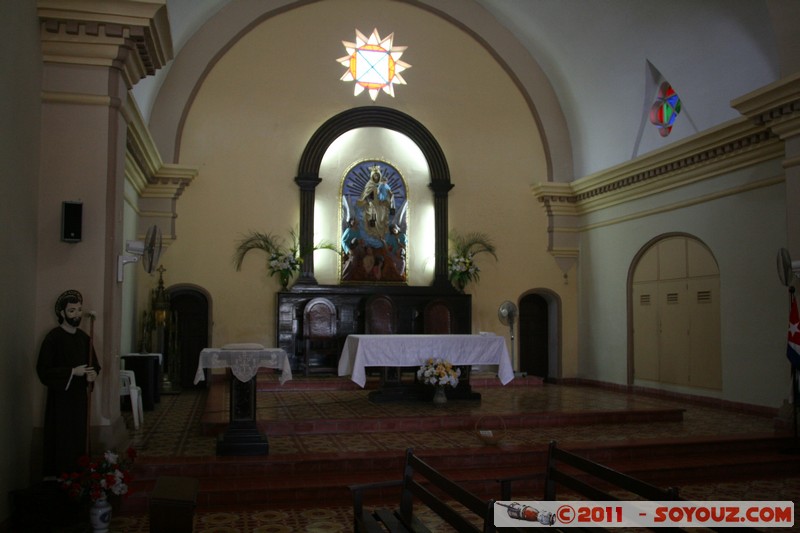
<point>787,269</point>
<point>507,313</point>
<point>149,250</point>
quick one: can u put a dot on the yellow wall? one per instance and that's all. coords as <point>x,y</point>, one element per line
<point>260,103</point>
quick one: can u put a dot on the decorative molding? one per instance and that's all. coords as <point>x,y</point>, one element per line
<point>55,97</point>
<point>737,144</point>
<point>776,105</point>
<point>132,36</point>
<point>158,185</point>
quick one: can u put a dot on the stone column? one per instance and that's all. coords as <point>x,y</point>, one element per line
<point>307,185</point>
<point>93,53</point>
<point>440,191</point>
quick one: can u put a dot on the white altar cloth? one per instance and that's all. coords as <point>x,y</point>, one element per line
<point>361,351</point>
<point>244,364</point>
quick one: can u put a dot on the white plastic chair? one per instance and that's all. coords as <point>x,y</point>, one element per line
<point>128,387</point>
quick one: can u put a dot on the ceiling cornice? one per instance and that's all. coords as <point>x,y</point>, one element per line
<point>133,36</point>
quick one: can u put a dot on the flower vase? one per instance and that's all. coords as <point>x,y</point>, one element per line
<point>439,397</point>
<point>461,284</point>
<point>100,516</point>
<point>285,277</point>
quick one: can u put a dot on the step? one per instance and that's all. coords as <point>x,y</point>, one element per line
<point>216,423</point>
<point>288,480</point>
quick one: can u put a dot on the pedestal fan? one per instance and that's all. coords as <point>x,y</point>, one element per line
<point>507,313</point>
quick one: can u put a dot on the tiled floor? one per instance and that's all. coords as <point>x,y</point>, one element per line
<point>533,415</point>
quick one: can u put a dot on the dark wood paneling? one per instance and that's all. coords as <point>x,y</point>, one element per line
<point>409,304</point>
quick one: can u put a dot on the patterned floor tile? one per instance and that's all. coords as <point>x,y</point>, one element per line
<point>173,429</point>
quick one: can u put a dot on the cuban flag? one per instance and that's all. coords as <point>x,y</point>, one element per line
<point>793,349</point>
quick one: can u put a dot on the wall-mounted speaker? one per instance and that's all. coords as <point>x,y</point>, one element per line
<point>71,221</point>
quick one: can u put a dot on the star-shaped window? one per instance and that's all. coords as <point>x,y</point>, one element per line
<point>373,63</point>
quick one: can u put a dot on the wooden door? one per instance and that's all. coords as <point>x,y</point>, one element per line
<point>533,331</point>
<point>190,308</point>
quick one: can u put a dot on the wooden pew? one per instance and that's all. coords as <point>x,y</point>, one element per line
<point>589,479</point>
<point>593,481</point>
<point>422,483</point>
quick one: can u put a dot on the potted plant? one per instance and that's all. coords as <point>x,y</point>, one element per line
<point>282,261</point>
<point>461,266</point>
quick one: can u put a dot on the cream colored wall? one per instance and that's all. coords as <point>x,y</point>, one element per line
<point>261,102</point>
<point>132,304</point>
<point>743,231</point>
<point>19,150</point>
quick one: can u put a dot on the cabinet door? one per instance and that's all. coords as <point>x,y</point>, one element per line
<point>645,331</point>
<point>705,368</point>
<point>673,332</point>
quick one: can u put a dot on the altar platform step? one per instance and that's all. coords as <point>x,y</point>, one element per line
<point>282,481</point>
<point>711,443</point>
<point>289,412</point>
<point>266,380</point>
<point>216,423</point>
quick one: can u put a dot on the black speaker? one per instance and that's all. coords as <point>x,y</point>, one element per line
<point>71,221</point>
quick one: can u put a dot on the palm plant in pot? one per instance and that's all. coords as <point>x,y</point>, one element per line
<point>461,266</point>
<point>282,260</point>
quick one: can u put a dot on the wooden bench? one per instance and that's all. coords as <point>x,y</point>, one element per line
<point>422,483</point>
<point>589,479</point>
<point>595,482</point>
<point>586,477</point>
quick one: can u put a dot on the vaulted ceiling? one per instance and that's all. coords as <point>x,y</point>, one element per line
<point>600,58</point>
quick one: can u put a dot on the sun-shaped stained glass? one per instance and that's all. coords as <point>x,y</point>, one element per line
<point>373,63</point>
<point>665,109</point>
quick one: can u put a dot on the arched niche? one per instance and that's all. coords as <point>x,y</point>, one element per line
<point>379,117</point>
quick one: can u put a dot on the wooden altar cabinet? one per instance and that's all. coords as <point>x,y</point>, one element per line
<point>364,351</point>
<point>350,300</point>
<point>242,436</point>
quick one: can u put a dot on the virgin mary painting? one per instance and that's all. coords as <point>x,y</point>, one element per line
<point>373,224</point>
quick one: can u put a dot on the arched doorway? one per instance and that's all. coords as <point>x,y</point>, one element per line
<point>675,314</point>
<point>538,334</point>
<point>191,319</point>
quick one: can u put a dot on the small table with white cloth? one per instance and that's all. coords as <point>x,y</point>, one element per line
<point>244,360</point>
<point>362,351</point>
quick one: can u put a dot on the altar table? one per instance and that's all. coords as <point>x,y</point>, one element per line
<point>362,351</point>
<point>242,436</point>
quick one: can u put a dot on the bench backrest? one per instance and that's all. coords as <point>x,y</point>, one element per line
<point>584,476</point>
<point>425,483</point>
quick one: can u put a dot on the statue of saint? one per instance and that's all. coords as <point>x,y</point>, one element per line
<point>64,368</point>
<point>377,203</point>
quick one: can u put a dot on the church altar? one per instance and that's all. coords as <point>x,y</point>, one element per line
<point>242,436</point>
<point>361,351</point>
<point>397,351</point>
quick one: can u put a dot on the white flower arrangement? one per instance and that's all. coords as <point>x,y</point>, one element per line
<point>461,267</point>
<point>283,260</point>
<point>283,263</point>
<point>436,371</point>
